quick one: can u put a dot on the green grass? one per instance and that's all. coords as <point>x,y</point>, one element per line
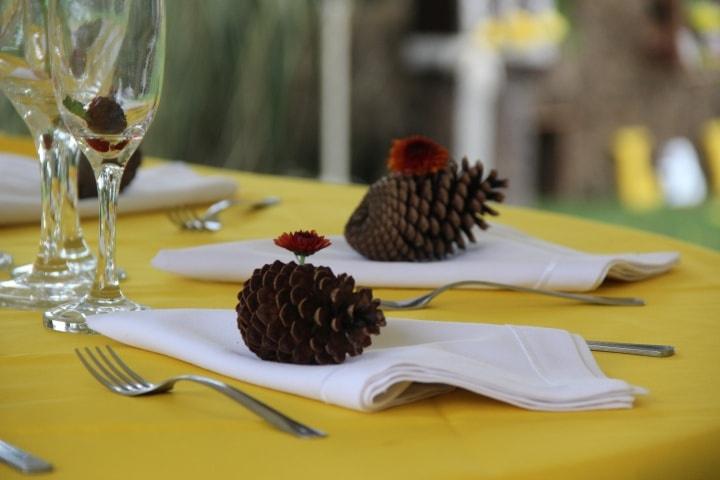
<point>700,225</point>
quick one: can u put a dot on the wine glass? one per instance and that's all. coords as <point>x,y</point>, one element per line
<point>74,247</point>
<point>25,80</point>
<point>107,61</point>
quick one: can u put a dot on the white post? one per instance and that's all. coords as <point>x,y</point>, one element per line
<point>335,80</point>
<point>478,74</point>
<point>478,79</point>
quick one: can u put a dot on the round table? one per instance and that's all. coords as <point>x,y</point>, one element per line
<point>52,407</point>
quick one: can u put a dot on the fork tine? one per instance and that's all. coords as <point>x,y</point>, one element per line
<point>181,216</point>
<point>115,382</point>
<point>125,379</point>
<point>189,219</point>
<point>127,369</point>
<point>94,373</point>
<point>187,216</point>
<point>191,214</point>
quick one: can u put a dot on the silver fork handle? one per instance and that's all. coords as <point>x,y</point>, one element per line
<point>218,207</point>
<point>264,411</point>
<point>596,299</point>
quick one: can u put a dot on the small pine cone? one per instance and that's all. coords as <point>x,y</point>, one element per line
<point>305,314</point>
<point>423,217</point>
<point>105,115</point>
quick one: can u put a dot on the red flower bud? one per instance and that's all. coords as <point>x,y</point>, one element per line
<point>302,243</point>
<point>417,155</point>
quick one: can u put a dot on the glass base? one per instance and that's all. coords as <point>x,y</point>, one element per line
<point>80,259</point>
<point>87,274</point>
<point>84,265</point>
<point>86,268</point>
<point>77,253</point>
<point>35,290</point>
<point>70,318</point>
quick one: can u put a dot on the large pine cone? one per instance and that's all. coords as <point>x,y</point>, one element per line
<point>305,314</point>
<point>423,217</point>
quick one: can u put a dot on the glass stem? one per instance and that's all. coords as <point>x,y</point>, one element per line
<point>52,171</point>
<point>106,285</point>
<point>75,249</point>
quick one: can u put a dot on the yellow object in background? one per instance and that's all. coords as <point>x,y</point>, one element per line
<point>711,144</point>
<point>521,29</point>
<point>704,16</point>
<point>637,186</point>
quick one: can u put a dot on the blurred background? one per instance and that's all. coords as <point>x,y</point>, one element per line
<point>603,109</point>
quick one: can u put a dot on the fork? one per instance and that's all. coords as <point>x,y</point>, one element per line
<point>422,300</point>
<point>118,377</point>
<point>188,219</point>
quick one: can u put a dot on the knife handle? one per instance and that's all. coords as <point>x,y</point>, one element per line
<point>632,348</point>
<point>22,460</point>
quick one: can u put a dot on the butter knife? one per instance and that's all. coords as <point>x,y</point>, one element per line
<point>22,460</point>
<point>649,350</point>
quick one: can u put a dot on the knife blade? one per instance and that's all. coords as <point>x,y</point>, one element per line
<point>632,348</point>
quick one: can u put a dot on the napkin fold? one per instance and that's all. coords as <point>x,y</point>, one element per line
<point>530,367</point>
<point>501,254</point>
<point>157,187</point>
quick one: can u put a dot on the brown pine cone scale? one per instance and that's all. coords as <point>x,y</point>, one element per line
<point>423,217</point>
<point>306,314</point>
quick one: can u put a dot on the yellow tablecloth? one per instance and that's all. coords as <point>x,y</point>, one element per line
<point>51,406</point>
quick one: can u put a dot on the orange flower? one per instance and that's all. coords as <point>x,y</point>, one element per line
<point>417,155</point>
<point>302,243</point>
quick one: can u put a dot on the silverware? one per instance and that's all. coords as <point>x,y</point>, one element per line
<point>422,300</point>
<point>114,374</point>
<point>24,461</point>
<point>188,219</point>
<point>649,350</point>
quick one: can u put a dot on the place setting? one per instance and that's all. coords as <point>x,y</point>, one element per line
<point>316,330</point>
<point>291,315</point>
<point>303,329</point>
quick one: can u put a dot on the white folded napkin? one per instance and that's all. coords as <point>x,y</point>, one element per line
<point>530,367</point>
<point>501,254</point>
<point>156,187</point>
